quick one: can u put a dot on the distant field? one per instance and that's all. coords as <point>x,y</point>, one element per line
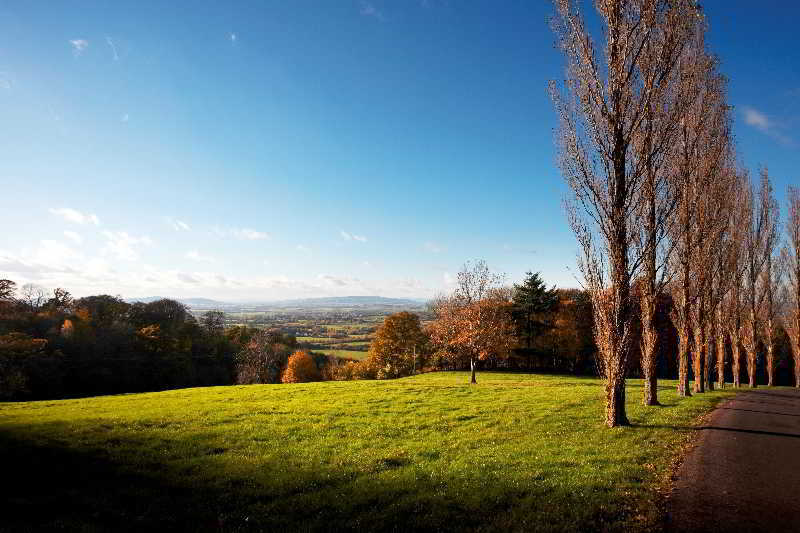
<point>313,339</point>
<point>515,452</point>
<point>346,354</point>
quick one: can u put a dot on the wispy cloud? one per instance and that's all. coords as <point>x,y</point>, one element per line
<point>122,245</point>
<point>369,10</point>
<point>249,234</point>
<point>760,121</point>
<point>75,216</point>
<point>194,255</point>
<point>302,248</point>
<point>233,37</point>
<point>125,117</point>
<point>178,225</point>
<point>352,236</point>
<point>74,237</point>
<point>78,46</point>
<point>113,48</point>
<point>242,234</point>
<point>338,281</point>
<point>432,247</point>
<point>6,80</point>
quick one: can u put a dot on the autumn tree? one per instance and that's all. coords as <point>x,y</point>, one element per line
<point>300,368</point>
<point>263,358</point>
<point>398,344</point>
<point>604,112</point>
<point>474,322</point>
<point>791,254</point>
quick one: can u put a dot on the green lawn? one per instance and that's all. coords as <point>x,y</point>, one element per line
<point>515,452</point>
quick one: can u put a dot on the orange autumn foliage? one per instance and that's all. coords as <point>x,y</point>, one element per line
<point>300,369</point>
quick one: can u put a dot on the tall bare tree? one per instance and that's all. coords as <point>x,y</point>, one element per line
<point>729,306</point>
<point>792,257</point>
<point>602,113</point>
<point>702,146</point>
<point>760,241</point>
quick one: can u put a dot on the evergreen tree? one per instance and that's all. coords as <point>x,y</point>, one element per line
<point>533,303</point>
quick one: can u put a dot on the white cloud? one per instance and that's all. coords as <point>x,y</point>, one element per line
<point>178,225</point>
<point>352,236</point>
<point>760,121</point>
<point>233,37</point>
<point>432,247</point>
<point>72,215</point>
<point>448,279</point>
<point>302,248</point>
<point>755,118</point>
<point>125,117</point>
<point>194,255</point>
<point>369,10</point>
<point>78,46</point>
<point>74,237</point>
<point>123,245</point>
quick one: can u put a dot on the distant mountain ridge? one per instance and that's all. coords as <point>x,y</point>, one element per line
<point>302,303</point>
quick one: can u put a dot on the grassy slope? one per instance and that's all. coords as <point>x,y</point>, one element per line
<point>514,452</point>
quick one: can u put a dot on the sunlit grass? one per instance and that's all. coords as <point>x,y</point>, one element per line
<point>345,354</point>
<point>517,451</point>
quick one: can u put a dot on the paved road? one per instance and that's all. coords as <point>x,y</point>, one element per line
<point>744,473</point>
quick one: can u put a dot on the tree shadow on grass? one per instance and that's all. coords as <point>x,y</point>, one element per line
<point>49,487</point>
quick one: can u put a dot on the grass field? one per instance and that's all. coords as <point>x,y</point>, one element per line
<point>345,354</point>
<point>515,452</point>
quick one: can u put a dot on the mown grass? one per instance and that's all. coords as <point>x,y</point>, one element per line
<point>515,452</point>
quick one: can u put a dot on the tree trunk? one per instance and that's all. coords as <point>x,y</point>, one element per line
<point>770,354</point>
<point>736,361</point>
<point>649,360</point>
<point>699,357</point>
<point>720,353</point>
<point>651,389</point>
<point>708,368</point>
<point>615,403</point>
<point>472,379</point>
<point>683,364</point>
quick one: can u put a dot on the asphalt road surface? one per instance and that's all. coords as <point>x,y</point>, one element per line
<point>744,473</point>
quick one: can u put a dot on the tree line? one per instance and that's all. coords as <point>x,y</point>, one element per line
<point>661,207</point>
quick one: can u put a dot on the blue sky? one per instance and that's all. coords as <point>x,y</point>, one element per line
<point>268,150</point>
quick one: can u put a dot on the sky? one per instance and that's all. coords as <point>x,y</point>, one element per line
<point>268,150</point>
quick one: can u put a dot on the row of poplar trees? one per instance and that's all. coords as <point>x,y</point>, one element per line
<point>660,203</point>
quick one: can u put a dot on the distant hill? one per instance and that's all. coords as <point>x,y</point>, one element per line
<point>200,303</point>
<point>348,301</point>
<point>302,303</point>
